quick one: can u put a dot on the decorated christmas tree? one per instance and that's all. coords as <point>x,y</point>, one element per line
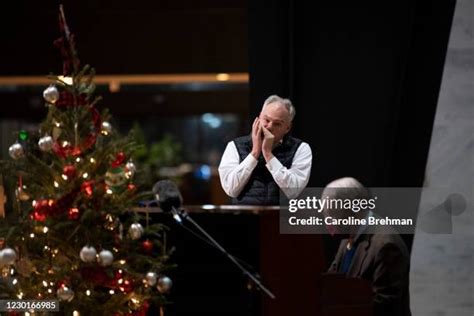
<point>71,235</point>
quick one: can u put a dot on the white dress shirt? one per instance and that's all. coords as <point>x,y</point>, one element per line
<point>234,174</point>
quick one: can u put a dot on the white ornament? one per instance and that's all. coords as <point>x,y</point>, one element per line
<point>88,254</point>
<point>151,278</point>
<point>106,258</point>
<point>46,143</point>
<point>16,151</point>
<point>136,231</point>
<point>164,284</point>
<point>51,94</point>
<point>65,294</point>
<point>7,256</point>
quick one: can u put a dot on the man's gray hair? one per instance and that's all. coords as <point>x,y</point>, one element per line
<point>346,188</point>
<point>285,102</point>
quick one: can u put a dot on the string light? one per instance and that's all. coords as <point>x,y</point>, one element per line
<point>45,284</point>
<point>122,262</point>
<point>45,229</point>
<point>32,235</point>
<point>64,177</point>
<point>50,291</point>
<point>15,281</point>
<point>85,175</point>
<point>75,313</point>
<point>78,159</point>
<point>109,191</point>
<point>112,292</point>
<point>20,295</point>
<point>56,185</point>
<point>88,292</point>
<point>92,160</point>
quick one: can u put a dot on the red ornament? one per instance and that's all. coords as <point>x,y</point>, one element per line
<point>119,159</point>
<point>76,151</point>
<point>88,188</point>
<point>73,213</point>
<point>69,171</point>
<point>131,187</point>
<point>147,245</point>
<point>42,209</point>
<point>38,216</point>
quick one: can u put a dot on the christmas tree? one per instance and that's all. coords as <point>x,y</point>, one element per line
<point>71,236</point>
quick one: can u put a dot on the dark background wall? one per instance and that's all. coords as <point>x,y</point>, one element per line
<point>124,37</point>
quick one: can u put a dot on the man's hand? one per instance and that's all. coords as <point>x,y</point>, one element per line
<point>267,145</point>
<point>257,138</point>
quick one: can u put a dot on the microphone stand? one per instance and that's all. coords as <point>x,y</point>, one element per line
<point>186,216</point>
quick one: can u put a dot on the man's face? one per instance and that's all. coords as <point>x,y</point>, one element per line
<point>275,118</point>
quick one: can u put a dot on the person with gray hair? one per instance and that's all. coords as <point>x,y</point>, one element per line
<point>377,254</point>
<point>255,167</point>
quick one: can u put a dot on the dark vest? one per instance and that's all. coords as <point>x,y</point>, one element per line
<point>261,189</point>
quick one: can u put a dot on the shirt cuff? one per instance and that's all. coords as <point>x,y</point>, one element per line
<point>250,162</point>
<point>274,165</point>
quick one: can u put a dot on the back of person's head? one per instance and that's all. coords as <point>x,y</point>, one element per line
<point>346,188</point>
<point>283,102</point>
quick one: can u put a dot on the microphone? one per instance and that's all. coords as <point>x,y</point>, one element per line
<point>169,198</point>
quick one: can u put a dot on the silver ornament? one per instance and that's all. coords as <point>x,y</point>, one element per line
<point>130,169</point>
<point>7,256</point>
<point>106,128</point>
<point>21,194</point>
<point>16,151</point>
<point>45,143</point>
<point>164,284</point>
<point>151,278</point>
<point>65,294</point>
<point>51,94</point>
<point>106,258</point>
<point>136,231</point>
<point>88,254</point>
